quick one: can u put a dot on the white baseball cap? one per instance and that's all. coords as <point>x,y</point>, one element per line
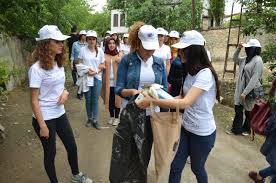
<point>190,38</point>
<point>113,32</point>
<point>174,34</point>
<point>51,32</point>
<point>166,33</point>
<point>125,35</point>
<point>108,32</point>
<point>161,31</point>
<point>148,36</point>
<point>91,33</point>
<point>252,43</point>
<point>82,32</point>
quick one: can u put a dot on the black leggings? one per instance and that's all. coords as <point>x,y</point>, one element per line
<point>62,127</point>
<point>240,125</point>
<point>113,110</point>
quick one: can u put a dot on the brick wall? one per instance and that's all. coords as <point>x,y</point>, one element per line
<point>217,40</point>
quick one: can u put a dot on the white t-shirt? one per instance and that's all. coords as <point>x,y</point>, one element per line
<point>199,118</point>
<point>147,77</point>
<point>209,55</point>
<point>124,48</point>
<point>51,85</point>
<point>89,58</point>
<point>164,52</point>
<point>111,77</point>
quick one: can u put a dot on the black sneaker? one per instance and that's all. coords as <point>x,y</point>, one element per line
<point>79,96</point>
<point>88,124</point>
<point>96,125</point>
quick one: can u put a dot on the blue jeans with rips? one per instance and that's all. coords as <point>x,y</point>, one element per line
<point>198,148</point>
<point>92,99</point>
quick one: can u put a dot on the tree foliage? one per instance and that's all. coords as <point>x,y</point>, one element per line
<point>24,18</point>
<point>216,10</point>
<point>260,15</point>
<point>159,13</point>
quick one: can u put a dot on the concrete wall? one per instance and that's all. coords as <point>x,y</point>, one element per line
<point>217,40</point>
<point>13,50</point>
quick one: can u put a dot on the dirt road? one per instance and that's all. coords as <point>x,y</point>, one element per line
<point>21,158</point>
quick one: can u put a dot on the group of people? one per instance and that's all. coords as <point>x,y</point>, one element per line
<point>119,71</point>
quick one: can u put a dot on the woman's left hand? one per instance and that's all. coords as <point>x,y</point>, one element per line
<point>63,97</point>
<point>145,102</point>
<point>243,97</point>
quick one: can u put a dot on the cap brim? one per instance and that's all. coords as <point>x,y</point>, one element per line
<point>58,38</point>
<point>150,45</point>
<point>245,45</point>
<point>181,45</point>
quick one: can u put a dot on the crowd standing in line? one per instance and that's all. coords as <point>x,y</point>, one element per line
<point>118,71</point>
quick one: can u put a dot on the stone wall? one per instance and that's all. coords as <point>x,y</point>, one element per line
<point>217,40</point>
<point>14,51</point>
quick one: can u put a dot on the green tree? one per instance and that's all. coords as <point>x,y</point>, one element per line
<point>159,13</point>
<point>24,18</point>
<point>261,16</point>
<point>100,22</point>
<point>216,11</point>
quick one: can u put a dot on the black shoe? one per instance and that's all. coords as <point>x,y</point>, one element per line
<point>96,125</point>
<point>79,96</point>
<point>88,124</point>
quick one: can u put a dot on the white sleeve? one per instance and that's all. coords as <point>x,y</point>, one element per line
<point>204,79</point>
<point>101,54</point>
<point>169,54</point>
<point>35,77</point>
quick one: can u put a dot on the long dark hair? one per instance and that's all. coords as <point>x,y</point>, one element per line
<point>252,52</point>
<point>197,59</point>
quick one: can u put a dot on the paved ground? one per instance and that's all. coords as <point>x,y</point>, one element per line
<point>21,153</point>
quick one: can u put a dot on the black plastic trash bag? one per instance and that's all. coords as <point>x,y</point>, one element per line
<point>127,161</point>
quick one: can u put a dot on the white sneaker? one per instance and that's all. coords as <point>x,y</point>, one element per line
<point>116,121</point>
<point>110,121</point>
<point>81,178</point>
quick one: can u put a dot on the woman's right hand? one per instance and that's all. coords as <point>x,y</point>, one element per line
<point>240,45</point>
<point>135,92</point>
<point>44,132</point>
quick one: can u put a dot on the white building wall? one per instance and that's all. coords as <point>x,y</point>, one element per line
<point>119,28</point>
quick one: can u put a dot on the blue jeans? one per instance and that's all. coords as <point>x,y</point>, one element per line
<point>269,171</point>
<point>198,148</point>
<point>92,99</point>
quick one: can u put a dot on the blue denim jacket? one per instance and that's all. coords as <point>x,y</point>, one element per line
<point>76,50</point>
<point>128,74</point>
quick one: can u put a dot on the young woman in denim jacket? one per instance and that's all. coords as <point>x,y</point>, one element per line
<point>200,91</point>
<point>268,149</point>
<point>140,68</point>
